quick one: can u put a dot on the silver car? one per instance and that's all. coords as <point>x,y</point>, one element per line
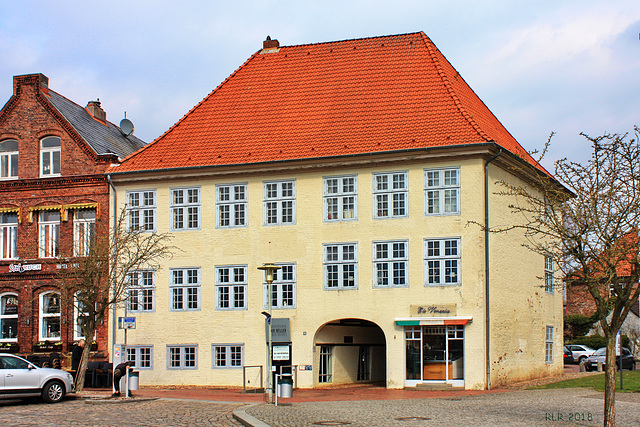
<point>21,378</point>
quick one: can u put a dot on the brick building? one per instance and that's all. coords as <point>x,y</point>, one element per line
<point>53,196</point>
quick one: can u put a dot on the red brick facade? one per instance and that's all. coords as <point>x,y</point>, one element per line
<point>28,117</point>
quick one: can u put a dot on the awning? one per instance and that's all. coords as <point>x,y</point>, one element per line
<point>64,209</point>
<point>433,321</point>
<point>12,210</point>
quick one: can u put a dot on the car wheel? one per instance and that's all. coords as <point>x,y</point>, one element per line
<point>587,368</point>
<point>53,392</point>
<point>582,359</point>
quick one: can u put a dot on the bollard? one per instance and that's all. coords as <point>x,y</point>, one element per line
<point>599,366</point>
<point>583,367</point>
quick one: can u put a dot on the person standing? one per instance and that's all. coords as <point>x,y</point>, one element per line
<point>76,356</point>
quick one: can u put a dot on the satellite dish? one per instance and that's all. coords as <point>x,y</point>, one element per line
<point>126,127</point>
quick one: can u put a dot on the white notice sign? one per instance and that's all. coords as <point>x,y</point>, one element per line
<point>280,352</point>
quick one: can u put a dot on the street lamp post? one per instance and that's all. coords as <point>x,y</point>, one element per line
<point>269,269</point>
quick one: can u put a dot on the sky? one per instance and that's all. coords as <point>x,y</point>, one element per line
<point>545,66</point>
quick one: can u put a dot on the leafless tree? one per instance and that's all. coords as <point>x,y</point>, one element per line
<point>98,277</point>
<point>586,217</point>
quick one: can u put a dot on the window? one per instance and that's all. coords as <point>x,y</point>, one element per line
<point>283,288</point>
<point>231,202</point>
<point>182,357</point>
<point>185,289</point>
<point>390,195</point>
<point>442,261</point>
<point>50,316</point>
<point>141,356</point>
<point>231,287</point>
<point>142,210</point>
<point>50,156</point>
<point>341,266</point>
<point>279,203</point>
<point>390,261</point>
<point>80,312</point>
<point>9,317</point>
<point>548,345</point>
<point>84,227</point>
<point>49,232</point>
<point>340,198</point>
<point>325,373</point>
<point>9,235</point>
<point>442,191</point>
<point>185,209</point>
<point>8,159</point>
<point>227,355</point>
<point>548,274</point>
<point>141,290</point>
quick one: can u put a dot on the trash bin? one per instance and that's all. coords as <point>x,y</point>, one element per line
<point>134,381</point>
<point>285,386</point>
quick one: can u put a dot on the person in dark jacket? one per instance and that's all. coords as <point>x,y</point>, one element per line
<point>76,356</point>
<point>118,373</point>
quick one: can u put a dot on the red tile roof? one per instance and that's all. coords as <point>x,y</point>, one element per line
<point>329,99</point>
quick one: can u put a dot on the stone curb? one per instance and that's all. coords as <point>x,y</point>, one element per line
<point>247,420</point>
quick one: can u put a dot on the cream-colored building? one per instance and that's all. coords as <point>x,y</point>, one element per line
<point>362,168</point>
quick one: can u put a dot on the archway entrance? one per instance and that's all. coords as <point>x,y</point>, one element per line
<point>349,351</point>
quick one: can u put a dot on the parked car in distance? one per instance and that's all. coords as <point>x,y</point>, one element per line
<point>580,352</point>
<point>20,378</point>
<point>628,362</point>
<point>568,357</point>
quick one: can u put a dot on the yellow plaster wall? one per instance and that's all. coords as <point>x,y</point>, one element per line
<point>302,243</point>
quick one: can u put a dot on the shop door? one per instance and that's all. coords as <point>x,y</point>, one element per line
<point>434,353</point>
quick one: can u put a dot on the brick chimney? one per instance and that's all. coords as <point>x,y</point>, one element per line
<point>270,44</point>
<point>96,111</point>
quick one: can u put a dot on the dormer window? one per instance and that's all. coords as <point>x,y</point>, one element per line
<point>9,159</point>
<point>50,156</point>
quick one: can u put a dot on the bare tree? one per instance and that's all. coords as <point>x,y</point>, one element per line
<point>587,218</point>
<point>97,277</point>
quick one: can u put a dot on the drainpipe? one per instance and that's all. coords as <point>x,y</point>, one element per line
<point>486,267</point>
<point>113,309</point>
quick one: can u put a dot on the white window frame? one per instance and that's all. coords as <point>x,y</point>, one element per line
<point>548,274</point>
<point>232,201</point>
<point>49,234</point>
<point>340,193</point>
<point>281,278</point>
<point>142,210</point>
<point>184,289</point>
<point>185,208</point>
<point>9,157</point>
<point>278,197</point>
<point>83,231</point>
<point>235,285</point>
<point>228,350</point>
<point>334,259</point>
<point>5,317</point>
<point>142,287</point>
<point>138,351</point>
<point>443,261</point>
<point>442,185</point>
<point>180,350</point>
<point>51,155</point>
<point>44,317</point>
<point>391,256</point>
<point>548,345</point>
<point>390,189</point>
<point>9,235</point>
<point>77,330</point>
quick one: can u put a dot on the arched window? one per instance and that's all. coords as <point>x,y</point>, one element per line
<point>9,159</point>
<point>9,317</point>
<point>80,313</point>
<point>50,156</point>
<point>50,316</point>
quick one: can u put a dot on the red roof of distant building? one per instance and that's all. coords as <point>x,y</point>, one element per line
<point>349,97</point>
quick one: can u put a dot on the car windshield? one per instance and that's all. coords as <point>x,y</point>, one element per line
<point>601,352</point>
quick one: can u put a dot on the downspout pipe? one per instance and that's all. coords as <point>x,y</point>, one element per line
<point>487,306</point>
<point>113,309</point>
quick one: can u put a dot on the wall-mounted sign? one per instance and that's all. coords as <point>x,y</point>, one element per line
<point>305,367</point>
<point>280,330</point>
<point>433,310</point>
<point>21,268</point>
<point>281,352</point>
<point>126,322</point>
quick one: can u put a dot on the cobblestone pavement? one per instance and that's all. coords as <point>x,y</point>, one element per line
<point>559,407</point>
<point>80,412</point>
